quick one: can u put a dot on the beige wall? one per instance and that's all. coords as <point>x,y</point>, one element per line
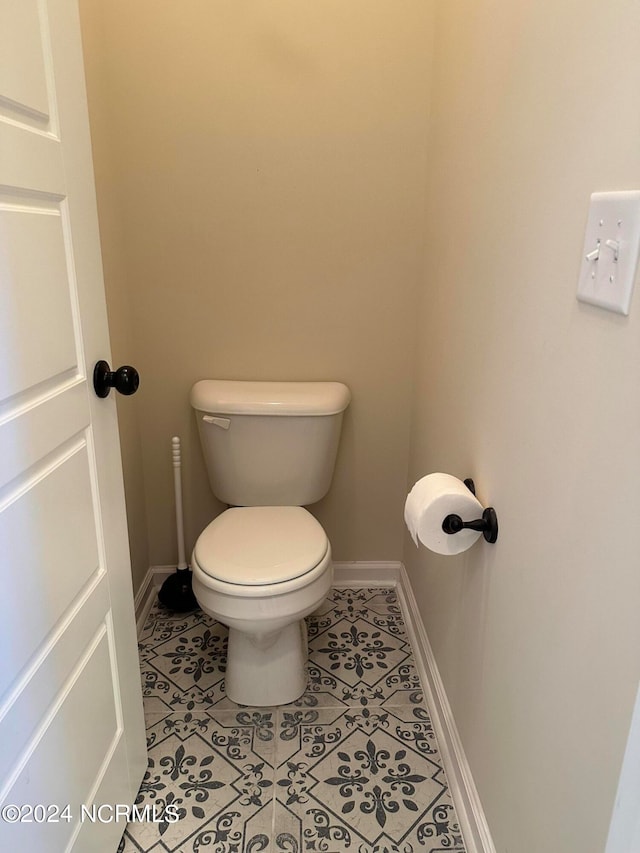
<point>269,162</point>
<point>123,345</point>
<point>537,397</point>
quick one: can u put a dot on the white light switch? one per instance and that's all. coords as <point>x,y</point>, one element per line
<point>611,247</point>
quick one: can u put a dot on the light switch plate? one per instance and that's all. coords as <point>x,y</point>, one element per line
<point>611,247</point>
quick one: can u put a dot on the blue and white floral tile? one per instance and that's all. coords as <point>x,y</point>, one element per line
<point>359,652</point>
<point>368,780</point>
<point>217,770</point>
<point>183,660</point>
<point>347,603</point>
<point>356,763</point>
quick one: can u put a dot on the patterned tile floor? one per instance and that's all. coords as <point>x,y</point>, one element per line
<point>351,766</point>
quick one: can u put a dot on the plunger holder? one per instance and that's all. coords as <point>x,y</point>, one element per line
<point>487,525</point>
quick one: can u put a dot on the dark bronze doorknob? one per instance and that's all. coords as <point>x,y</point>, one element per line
<point>125,379</point>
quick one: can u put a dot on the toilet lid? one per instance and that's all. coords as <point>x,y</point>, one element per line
<point>261,545</point>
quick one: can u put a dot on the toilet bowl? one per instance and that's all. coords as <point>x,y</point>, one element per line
<point>264,564</point>
<point>260,571</point>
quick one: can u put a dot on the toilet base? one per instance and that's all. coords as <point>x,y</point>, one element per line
<point>267,669</point>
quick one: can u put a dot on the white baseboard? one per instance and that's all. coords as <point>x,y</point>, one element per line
<point>473,822</point>
<point>358,575</point>
<point>148,592</point>
<point>378,574</point>
<point>361,574</point>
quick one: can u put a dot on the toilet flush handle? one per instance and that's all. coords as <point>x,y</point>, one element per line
<point>225,423</point>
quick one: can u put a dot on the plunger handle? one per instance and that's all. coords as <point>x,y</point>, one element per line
<point>177,484</point>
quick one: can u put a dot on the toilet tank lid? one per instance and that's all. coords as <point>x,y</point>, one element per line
<point>230,397</point>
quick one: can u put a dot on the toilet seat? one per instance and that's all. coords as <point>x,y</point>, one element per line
<point>259,546</point>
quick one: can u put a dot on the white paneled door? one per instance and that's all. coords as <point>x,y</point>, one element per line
<point>71,723</point>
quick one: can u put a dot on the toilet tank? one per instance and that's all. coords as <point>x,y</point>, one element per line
<point>269,443</point>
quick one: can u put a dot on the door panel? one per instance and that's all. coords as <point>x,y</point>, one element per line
<point>22,68</point>
<point>31,159</point>
<point>52,510</point>
<point>42,681</point>
<point>84,713</point>
<point>42,422</point>
<point>37,298</point>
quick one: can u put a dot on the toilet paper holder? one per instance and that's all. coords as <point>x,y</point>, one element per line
<point>487,525</point>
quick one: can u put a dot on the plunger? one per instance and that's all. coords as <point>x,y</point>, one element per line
<point>176,592</point>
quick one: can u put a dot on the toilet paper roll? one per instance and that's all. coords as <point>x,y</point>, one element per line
<point>429,502</point>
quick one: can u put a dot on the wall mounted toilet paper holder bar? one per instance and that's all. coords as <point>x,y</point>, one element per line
<point>487,525</point>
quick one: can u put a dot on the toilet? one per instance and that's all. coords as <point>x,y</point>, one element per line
<point>265,563</point>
